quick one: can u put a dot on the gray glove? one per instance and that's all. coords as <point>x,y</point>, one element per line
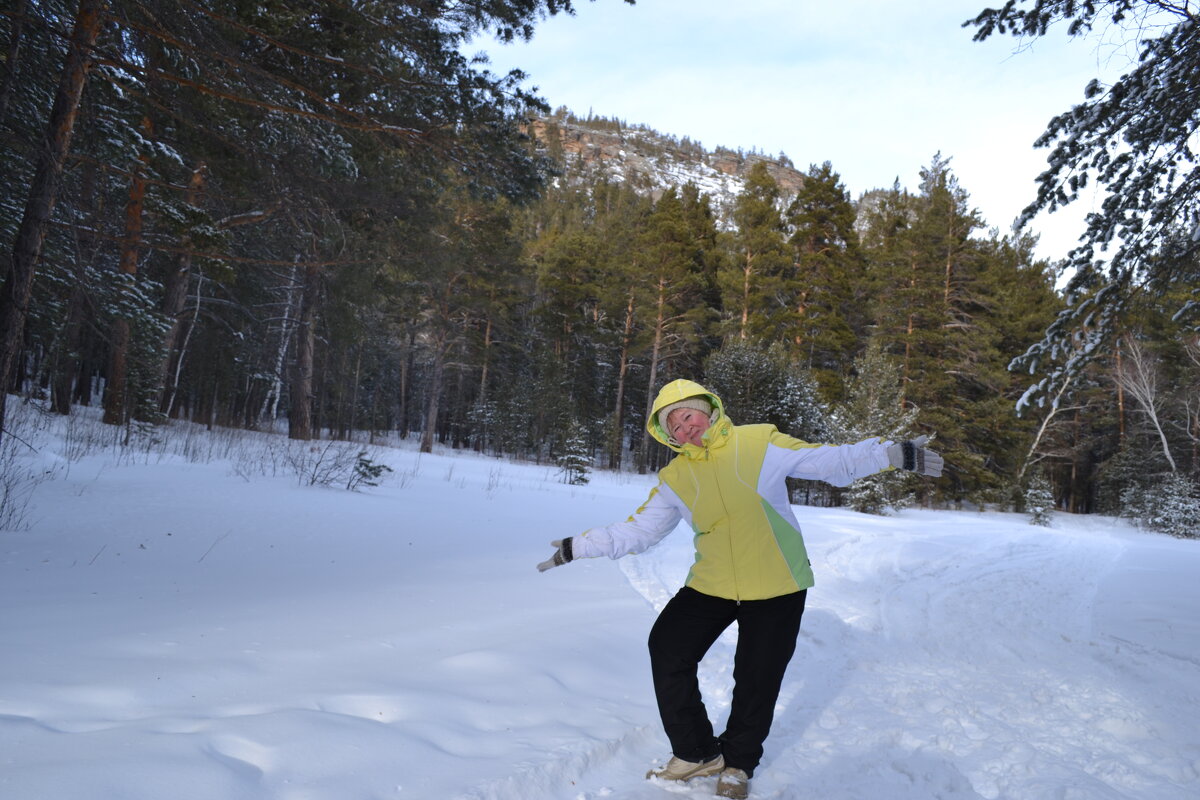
<point>912,456</point>
<point>562,554</point>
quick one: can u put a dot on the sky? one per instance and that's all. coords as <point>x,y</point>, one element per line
<point>876,87</point>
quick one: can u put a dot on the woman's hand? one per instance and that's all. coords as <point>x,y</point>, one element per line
<point>914,457</point>
<point>562,554</point>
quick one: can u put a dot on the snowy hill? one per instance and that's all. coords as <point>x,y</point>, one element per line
<point>653,161</point>
<point>183,619</point>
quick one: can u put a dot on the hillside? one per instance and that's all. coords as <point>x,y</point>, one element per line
<point>654,161</point>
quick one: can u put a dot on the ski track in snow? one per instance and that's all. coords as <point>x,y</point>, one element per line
<point>974,673</point>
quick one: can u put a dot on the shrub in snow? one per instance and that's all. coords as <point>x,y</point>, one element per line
<point>329,463</point>
<point>366,472</point>
<point>1169,504</point>
<point>21,469</point>
<point>1039,500</point>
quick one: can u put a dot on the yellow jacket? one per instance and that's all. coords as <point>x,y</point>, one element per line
<point>732,492</point>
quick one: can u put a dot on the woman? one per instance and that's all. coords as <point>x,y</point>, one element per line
<point>728,483</point>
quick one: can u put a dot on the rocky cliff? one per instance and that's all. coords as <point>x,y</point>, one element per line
<point>652,161</point>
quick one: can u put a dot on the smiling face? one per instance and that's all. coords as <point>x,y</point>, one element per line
<point>687,425</point>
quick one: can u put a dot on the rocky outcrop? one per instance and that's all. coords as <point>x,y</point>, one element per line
<point>655,161</point>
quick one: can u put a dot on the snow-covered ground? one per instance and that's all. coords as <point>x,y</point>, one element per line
<point>182,630</point>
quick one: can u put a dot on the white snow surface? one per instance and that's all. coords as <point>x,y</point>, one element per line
<point>173,630</point>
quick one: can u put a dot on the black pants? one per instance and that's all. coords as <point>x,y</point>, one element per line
<point>685,629</point>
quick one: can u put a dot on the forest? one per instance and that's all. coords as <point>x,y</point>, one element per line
<point>322,217</point>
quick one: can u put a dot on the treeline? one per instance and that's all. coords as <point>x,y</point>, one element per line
<point>629,292</point>
<point>327,216</point>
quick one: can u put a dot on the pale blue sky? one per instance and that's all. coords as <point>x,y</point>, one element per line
<point>874,86</point>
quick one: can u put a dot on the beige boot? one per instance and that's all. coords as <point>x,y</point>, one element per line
<point>679,770</point>
<point>733,783</point>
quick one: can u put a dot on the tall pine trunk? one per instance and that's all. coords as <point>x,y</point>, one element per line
<point>27,247</point>
<point>484,433</point>
<point>354,392</point>
<point>655,352</point>
<point>909,331</point>
<point>406,371</point>
<point>747,273</point>
<point>1120,398</point>
<point>68,372</point>
<point>435,393</point>
<point>300,414</point>
<point>116,396</point>
<point>617,438</point>
<point>487,352</point>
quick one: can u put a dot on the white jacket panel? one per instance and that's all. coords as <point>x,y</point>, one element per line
<point>839,465</point>
<point>645,528</point>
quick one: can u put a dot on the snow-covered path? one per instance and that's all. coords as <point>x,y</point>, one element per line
<point>966,655</point>
<point>170,629</point>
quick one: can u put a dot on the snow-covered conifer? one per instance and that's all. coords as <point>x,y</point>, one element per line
<point>575,460</point>
<point>1039,500</point>
<point>1173,507</point>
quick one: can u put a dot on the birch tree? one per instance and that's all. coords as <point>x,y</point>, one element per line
<point>1138,375</point>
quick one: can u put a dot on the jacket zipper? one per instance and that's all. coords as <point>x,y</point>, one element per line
<point>737,591</point>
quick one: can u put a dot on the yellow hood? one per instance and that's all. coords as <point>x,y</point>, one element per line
<point>673,392</point>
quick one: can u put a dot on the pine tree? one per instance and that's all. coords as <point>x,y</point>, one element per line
<point>43,192</point>
<point>589,298</point>
<point>828,265</point>
<point>752,281</point>
<point>303,99</point>
<point>947,308</point>
<point>621,215</point>
<point>1005,300</point>
<point>706,256</point>
<point>1130,143</point>
<point>670,292</point>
